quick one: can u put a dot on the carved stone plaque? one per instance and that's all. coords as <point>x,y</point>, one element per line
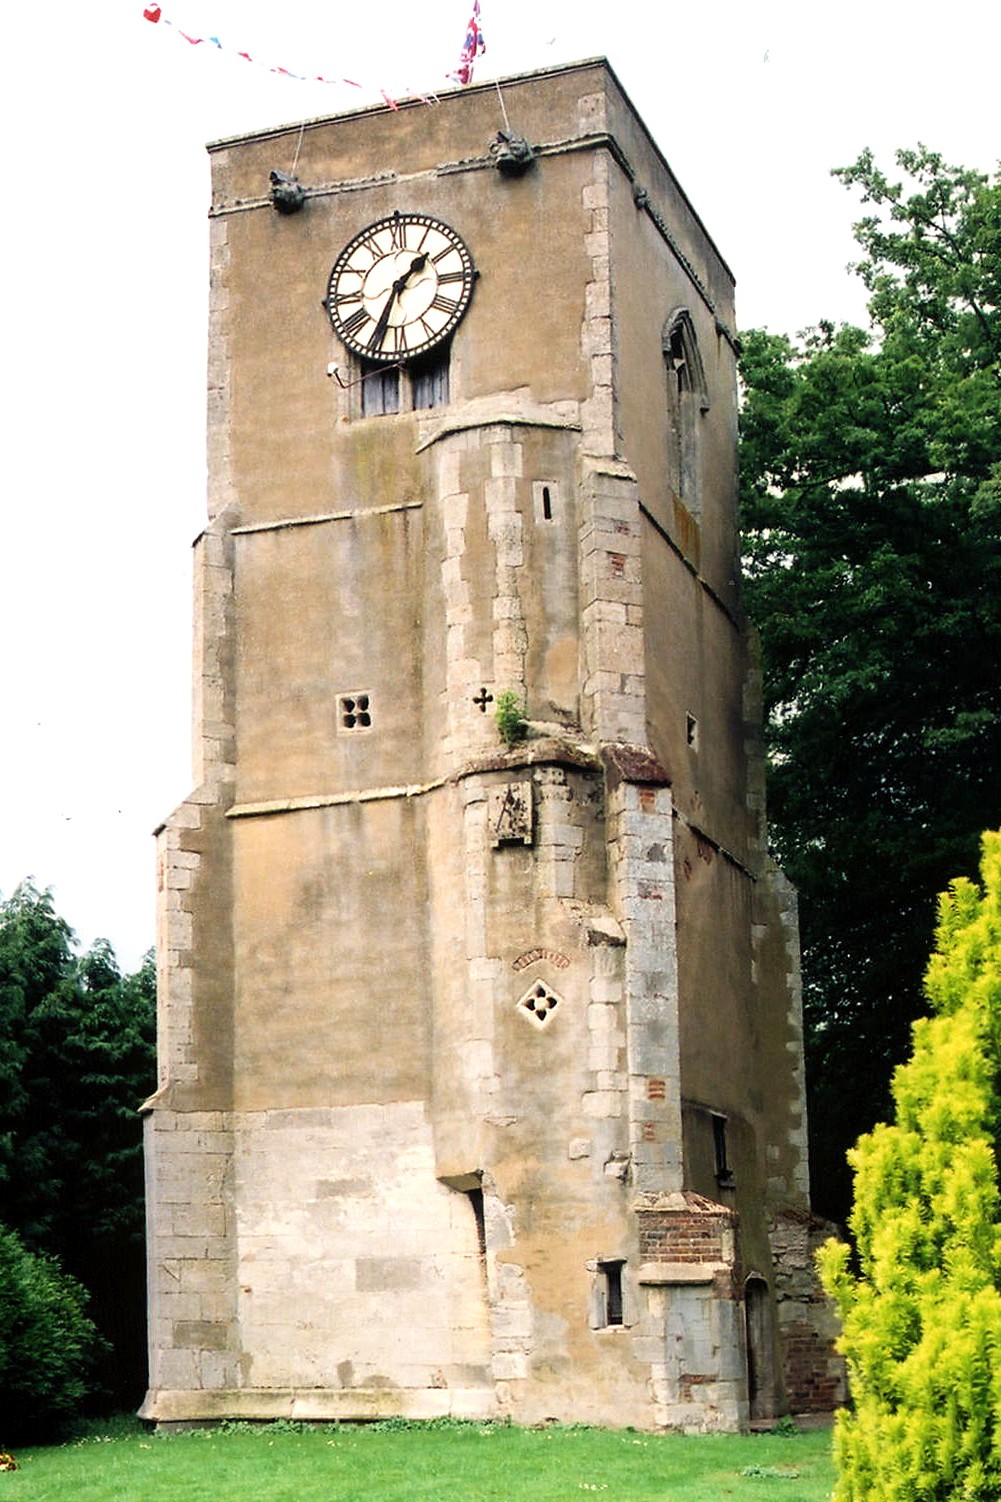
<point>509,814</point>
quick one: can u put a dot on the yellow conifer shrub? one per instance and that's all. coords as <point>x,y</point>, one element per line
<point>920,1300</point>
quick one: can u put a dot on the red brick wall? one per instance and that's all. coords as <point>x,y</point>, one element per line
<point>681,1236</point>
<point>814,1373</point>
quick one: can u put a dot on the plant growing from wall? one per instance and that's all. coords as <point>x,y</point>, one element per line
<point>511,717</point>
<point>922,1313</point>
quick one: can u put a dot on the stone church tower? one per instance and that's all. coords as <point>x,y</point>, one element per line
<point>480,1074</point>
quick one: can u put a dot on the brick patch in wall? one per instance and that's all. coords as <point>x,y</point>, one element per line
<point>814,1373</point>
<point>696,1231</point>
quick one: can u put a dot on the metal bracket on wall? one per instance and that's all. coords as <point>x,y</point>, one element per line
<point>334,371</point>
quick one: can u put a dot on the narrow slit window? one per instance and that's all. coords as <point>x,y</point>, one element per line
<point>546,498</point>
<point>724,1173</point>
<point>692,731</point>
<point>479,1215</point>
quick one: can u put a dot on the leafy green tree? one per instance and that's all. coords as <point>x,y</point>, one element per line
<point>871,498</point>
<point>47,1344</point>
<point>922,1315</point>
<point>79,1060</point>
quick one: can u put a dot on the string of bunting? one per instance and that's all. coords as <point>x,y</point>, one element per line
<point>472,46</point>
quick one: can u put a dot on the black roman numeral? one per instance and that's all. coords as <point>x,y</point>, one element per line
<point>353,324</point>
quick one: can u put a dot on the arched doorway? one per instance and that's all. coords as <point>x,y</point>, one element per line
<point>760,1348</point>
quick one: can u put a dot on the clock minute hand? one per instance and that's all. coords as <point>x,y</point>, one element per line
<point>383,324</point>
<point>379,333</point>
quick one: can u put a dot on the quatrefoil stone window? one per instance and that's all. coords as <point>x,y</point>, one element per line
<point>539,1003</point>
<point>354,713</point>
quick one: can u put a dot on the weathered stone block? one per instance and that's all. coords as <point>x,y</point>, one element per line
<point>602,1103</point>
<point>201,1335</point>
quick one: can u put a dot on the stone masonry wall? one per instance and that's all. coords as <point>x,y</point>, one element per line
<point>190,1249</point>
<point>687,1273</point>
<point>613,695</point>
<point>815,1377</point>
<point>309,1264</point>
<point>642,897</point>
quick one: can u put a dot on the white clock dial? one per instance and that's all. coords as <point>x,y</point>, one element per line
<point>400,287</point>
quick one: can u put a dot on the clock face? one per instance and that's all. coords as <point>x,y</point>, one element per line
<point>399,287</point>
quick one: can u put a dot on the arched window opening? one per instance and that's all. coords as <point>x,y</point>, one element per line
<point>687,401</point>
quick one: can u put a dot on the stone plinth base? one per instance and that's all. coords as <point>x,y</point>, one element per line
<point>356,1404</point>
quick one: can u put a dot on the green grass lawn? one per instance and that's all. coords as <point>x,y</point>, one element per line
<point>426,1463</point>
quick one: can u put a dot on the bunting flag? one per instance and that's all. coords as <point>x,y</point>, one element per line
<point>471,47</point>
<point>154,13</point>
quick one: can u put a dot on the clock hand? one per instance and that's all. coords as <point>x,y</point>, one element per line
<point>417,264</point>
<point>383,323</point>
<point>379,333</point>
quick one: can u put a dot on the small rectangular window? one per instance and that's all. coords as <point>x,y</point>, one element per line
<point>429,383</point>
<point>724,1173</point>
<point>610,1274</point>
<point>380,390</point>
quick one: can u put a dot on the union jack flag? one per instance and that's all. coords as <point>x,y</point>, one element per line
<point>471,48</point>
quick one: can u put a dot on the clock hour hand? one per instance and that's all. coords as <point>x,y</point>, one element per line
<point>417,264</point>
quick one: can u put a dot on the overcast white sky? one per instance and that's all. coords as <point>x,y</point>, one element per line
<point>104,250</point>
